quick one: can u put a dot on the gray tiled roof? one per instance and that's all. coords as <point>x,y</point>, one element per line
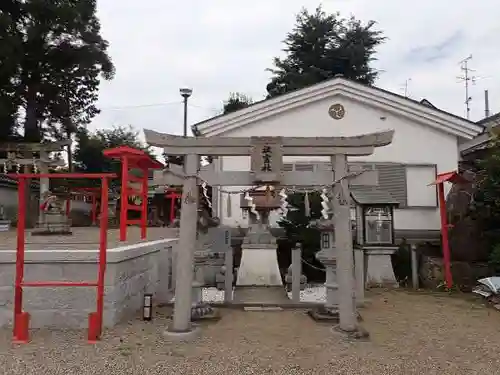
<point>7,181</point>
<point>371,195</point>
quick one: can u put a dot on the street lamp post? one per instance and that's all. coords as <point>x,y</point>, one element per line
<point>185,93</point>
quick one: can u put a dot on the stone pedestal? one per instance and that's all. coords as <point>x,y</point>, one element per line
<point>359,275</point>
<point>328,312</point>
<point>259,260</point>
<point>259,266</point>
<point>379,270</point>
<point>55,224</point>
<point>199,309</point>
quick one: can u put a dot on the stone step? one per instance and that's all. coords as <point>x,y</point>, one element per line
<point>265,295</point>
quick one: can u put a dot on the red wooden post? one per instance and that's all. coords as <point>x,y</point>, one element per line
<point>21,319</point>
<point>103,244</point>
<point>172,195</point>
<point>68,207</point>
<point>94,209</point>
<point>124,200</point>
<point>454,178</point>
<point>132,158</point>
<point>144,206</point>
<point>444,235</point>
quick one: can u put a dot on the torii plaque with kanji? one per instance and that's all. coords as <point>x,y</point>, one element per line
<point>266,159</point>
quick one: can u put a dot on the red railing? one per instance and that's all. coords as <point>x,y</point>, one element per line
<point>22,318</point>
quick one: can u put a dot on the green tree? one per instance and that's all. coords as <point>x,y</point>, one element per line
<point>486,203</point>
<point>297,225</point>
<point>235,102</point>
<point>321,46</point>
<point>88,155</point>
<point>52,58</point>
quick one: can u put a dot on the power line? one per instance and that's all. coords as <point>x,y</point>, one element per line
<point>202,107</point>
<point>139,106</point>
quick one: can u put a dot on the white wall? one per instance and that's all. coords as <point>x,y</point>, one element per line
<point>413,143</point>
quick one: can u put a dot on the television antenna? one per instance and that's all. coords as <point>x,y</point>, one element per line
<point>467,78</point>
<point>405,87</point>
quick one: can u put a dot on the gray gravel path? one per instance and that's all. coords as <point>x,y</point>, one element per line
<point>410,334</point>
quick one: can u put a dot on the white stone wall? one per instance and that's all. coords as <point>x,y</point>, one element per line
<point>131,272</point>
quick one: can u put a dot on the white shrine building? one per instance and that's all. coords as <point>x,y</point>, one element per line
<point>426,142</point>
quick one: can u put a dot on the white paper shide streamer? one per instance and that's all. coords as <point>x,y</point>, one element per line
<point>284,202</point>
<point>252,205</point>
<point>307,205</point>
<point>204,191</point>
<point>325,203</point>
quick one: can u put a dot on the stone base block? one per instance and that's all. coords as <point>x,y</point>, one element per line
<point>329,315</point>
<point>259,267</point>
<point>204,313</point>
<point>360,333</point>
<point>185,336</point>
<point>379,268</point>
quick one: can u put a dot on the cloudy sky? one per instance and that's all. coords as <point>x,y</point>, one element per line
<point>221,46</point>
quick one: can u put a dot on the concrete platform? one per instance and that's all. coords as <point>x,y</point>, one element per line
<point>133,268</point>
<point>83,238</point>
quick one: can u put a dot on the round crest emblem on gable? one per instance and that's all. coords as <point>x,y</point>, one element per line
<point>336,111</point>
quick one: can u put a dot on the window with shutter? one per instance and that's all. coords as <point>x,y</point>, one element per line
<point>391,178</point>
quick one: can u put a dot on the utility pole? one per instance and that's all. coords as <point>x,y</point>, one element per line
<point>466,78</point>
<point>185,93</point>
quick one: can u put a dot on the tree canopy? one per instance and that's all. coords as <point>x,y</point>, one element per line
<point>52,57</point>
<point>88,156</point>
<point>235,102</point>
<point>321,46</point>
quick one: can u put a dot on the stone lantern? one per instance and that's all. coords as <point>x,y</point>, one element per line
<point>375,234</point>
<point>199,309</point>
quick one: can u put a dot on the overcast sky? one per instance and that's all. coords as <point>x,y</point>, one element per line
<point>221,46</point>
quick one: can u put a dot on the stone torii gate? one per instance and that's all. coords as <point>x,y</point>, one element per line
<point>267,169</point>
<point>22,155</point>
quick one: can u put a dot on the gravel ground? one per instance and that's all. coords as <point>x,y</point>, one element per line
<point>410,334</point>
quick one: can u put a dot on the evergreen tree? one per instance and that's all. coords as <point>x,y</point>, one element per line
<point>52,59</point>
<point>321,46</point>
<point>235,102</point>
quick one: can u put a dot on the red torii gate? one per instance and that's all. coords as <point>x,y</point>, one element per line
<point>454,178</point>
<point>94,193</point>
<point>172,194</point>
<point>132,158</point>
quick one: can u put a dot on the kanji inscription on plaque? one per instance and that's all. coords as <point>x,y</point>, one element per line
<point>267,158</point>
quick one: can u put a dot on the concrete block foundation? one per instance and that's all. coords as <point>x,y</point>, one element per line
<point>131,271</point>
